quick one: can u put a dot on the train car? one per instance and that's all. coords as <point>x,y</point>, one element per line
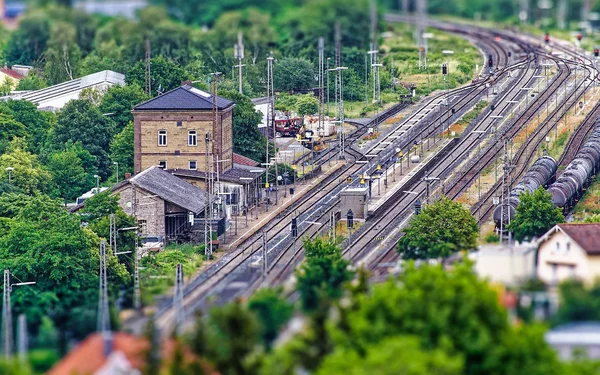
<point>578,174</point>
<point>540,174</point>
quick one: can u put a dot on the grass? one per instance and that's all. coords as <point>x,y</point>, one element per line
<point>589,204</point>
<point>158,274</point>
<point>460,125</point>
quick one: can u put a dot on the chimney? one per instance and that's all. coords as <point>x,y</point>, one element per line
<point>108,343</point>
<point>127,176</point>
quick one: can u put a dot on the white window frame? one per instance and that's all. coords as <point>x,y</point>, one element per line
<point>162,161</point>
<point>162,133</point>
<point>190,165</point>
<point>192,134</point>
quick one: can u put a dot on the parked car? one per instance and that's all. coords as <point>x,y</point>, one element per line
<point>152,244</point>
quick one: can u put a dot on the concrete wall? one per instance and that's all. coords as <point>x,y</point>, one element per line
<point>354,199</point>
<point>177,153</point>
<point>508,265</point>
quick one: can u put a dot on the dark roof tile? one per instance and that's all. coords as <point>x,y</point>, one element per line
<point>586,235</point>
<point>183,98</point>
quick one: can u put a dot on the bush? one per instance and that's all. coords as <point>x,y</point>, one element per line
<point>492,238</point>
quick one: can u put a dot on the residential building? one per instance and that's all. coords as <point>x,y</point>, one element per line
<point>115,353</point>
<point>576,337</point>
<point>569,251</point>
<point>171,130</point>
<point>56,97</point>
<point>10,75</point>
<point>111,8</point>
<point>163,205</point>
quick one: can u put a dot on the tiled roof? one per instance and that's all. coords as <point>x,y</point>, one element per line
<point>586,235</point>
<point>11,73</point>
<point>183,98</point>
<point>89,355</point>
<point>170,188</point>
<point>242,160</point>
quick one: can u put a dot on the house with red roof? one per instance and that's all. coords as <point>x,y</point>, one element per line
<point>10,75</point>
<point>569,251</point>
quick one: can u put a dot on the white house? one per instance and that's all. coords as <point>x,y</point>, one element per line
<point>569,251</point>
<point>505,264</point>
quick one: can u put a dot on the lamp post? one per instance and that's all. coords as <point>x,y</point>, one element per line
<point>117,164</point>
<point>247,183</point>
<point>258,172</point>
<point>97,183</point>
<point>9,170</point>
<point>7,327</point>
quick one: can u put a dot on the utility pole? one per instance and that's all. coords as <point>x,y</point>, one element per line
<point>112,241</point>
<point>137,295</point>
<point>238,52</point>
<point>7,336</point>
<point>264,255</point>
<point>103,310</point>
<point>178,300</point>
<point>321,127</point>
<point>340,105</point>
<point>23,338</point>
<point>148,75</point>
<point>338,55</point>
<point>507,168</point>
<point>271,116</point>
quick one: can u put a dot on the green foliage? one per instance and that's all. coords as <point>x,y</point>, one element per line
<point>121,149</point>
<point>47,245</point>
<point>37,123</point>
<point>293,74</point>
<point>228,338</point>
<point>578,302</point>
<point>535,215</point>
<point>42,360</point>
<point>9,130</point>
<point>63,54</point>
<point>119,101</point>
<point>28,42</point>
<point>323,274</point>
<point>166,74</point>
<point>152,360</point>
<point>69,173</point>
<point>247,140</point>
<point>27,175</point>
<point>14,367</point>
<point>441,229</point>
<point>273,312</point>
<point>492,238</point>
<point>307,105</point>
<point>81,121</point>
<point>396,355</point>
<point>6,86</point>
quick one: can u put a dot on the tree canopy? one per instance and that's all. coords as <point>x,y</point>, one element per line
<point>441,229</point>
<point>535,215</point>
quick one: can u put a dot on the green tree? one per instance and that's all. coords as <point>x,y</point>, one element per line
<point>80,121</point>
<point>6,86</point>
<point>396,355</point>
<point>293,74</point>
<point>535,215</point>
<point>11,129</point>
<point>307,105</point>
<point>577,302</point>
<point>31,82</point>
<point>27,174</point>
<point>63,54</point>
<point>229,339</point>
<point>166,74</point>
<point>441,229</point>
<point>29,41</point>
<point>68,172</point>
<point>121,149</point>
<point>119,101</point>
<point>323,274</point>
<point>37,123</point>
<point>47,245</point>
<point>152,362</point>
<point>272,311</point>
<point>248,140</point>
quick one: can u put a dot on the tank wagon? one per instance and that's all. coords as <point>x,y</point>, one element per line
<point>576,177</point>
<point>540,174</point>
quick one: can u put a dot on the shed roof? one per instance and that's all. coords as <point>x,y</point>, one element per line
<point>183,98</point>
<point>171,189</point>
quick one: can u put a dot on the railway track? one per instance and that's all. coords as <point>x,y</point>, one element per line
<point>233,274</point>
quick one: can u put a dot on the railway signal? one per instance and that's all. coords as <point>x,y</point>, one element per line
<point>349,180</point>
<point>596,51</point>
<point>418,206</point>
<point>350,219</point>
<point>547,38</point>
<point>444,69</point>
<point>579,36</point>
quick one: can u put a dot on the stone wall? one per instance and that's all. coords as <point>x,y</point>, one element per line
<point>148,208</point>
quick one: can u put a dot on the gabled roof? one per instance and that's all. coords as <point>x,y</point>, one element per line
<point>12,73</point>
<point>171,189</point>
<point>587,236</point>
<point>242,160</point>
<point>232,175</point>
<point>183,98</point>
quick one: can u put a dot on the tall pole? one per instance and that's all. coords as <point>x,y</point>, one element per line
<point>7,333</point>
<point>271,115</point>
<point>264,255</point>
<point>321,126</point>
<point>23,338</point>
<point>148,76</point>
<point>137,295</point>
<point>238,51</point>
<point>103,310</point>
<point>178,299</point>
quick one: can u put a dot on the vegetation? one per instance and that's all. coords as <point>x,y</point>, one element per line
<point>578,302</point>
<point>441,229</point>
<point>535,215</point>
